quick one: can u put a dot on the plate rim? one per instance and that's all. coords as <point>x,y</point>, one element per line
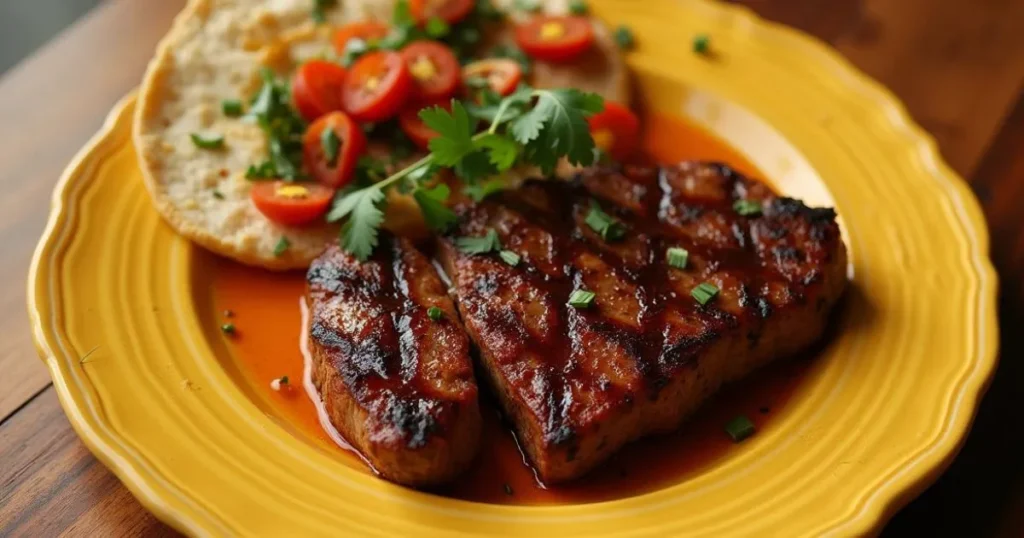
<point>880,504</point>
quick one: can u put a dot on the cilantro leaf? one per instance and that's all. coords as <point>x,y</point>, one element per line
<point>455,133</point>
<point>330,144</point>
<point>364,209</point>
<point>503,151</point>
<point>557,125</point>
<point>479,191</point>
<point>490,242</point>
<point>474,166</point>
<point>432,203</point>
<point>437,28</point>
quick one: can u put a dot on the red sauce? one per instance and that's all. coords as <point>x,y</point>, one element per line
<point>265,347</point>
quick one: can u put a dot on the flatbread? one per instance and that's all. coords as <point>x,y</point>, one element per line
<point>215,51</point>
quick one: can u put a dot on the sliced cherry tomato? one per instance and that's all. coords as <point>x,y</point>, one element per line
<point>376,87</point>
<point>434,68</point>
<point>316,88</point>
<point>414,127</point>
<point>555,38</point>
<point>336,170</point>
<point>291,204</point>
<point>367,31</point>
<point>616,130</point>
<point>502,74</point>
<point>451,11</point>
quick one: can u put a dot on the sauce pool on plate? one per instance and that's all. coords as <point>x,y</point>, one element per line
<point>265,347</point>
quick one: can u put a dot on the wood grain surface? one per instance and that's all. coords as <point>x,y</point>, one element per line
<point>958,66</point>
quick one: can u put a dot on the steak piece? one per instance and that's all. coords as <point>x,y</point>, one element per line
<point>396,384</point>
<point>579,383</point>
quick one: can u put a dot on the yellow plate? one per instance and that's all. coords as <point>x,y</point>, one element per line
<point>117,304</point>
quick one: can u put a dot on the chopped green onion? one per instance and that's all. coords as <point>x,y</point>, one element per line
<point>581,299</point>
<point>208,141</point>
<point>330,143</point>
<point>479,245</point>
<point>678,257</point>
<point>747,208</point>
<point>704,292</point>
<point>435,313</point>
<point>510,257</point>
<point>228,328</point>
<point>740,428</point>
<point>578,7</point>
<point>282,246</point>
<point>701,44</point>
<point>231,107</point>
<point>437,28</point>
<point>604,224</point>
<point>625,38</point>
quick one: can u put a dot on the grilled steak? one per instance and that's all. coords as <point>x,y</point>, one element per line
<point>398,385</point>
<point>578,383</point>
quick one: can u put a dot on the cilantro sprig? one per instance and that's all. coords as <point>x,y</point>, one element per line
<point>529,127</point>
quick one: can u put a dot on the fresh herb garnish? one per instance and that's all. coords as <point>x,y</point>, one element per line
<point>437,28</point>
<point>486,10</point>
<point>678,257</point>
<point>490,242</point>
<point>510,257</point>
<point>740,428</point>
<point>529,6</point>
<point>354,49</point>
<point>217,194</point>
<point>747,208</point>
<point>582,299</point>
<point>701,43</point>
<point>432,204</point>
<point>228,328</point>
<point>604,224</point>
<point>624,38</point>
<point>232,108</point>
<point>320,8</point>
<point>482,189</point>
<point>435,313</point>
<point>330,144</point>
<point>578,7</point>
<point>535,127</point>
<point>281,247</point>
<point>704,292</point>
<point>208,140</point>
<point>284,128</point>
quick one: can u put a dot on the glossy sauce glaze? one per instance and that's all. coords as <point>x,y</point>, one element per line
<point>265,347</point>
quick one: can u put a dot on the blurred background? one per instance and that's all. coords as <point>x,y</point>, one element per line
<point>27,24</point>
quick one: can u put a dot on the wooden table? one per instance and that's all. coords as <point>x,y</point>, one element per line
<point>958,66</point>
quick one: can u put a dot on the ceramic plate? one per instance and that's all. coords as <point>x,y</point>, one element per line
<point>119,306</point>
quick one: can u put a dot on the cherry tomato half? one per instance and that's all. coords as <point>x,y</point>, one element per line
<point>316,88</point>
<point>555,38</point>
<point>367,31</point>
<point>291,204</point>
<point>338,171</point>
<point>376,87</point>
<point>451,11</point>
<point>434,68</point>
<point>616,130</point>
<point>501,73</point>
<point>417,131</point>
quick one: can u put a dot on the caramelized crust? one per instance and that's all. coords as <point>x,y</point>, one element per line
<point>580,383</point>
<point>396,384</point>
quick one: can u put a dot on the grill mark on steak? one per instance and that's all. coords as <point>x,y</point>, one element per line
<point>396,384</point>
<point>578,384</point>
